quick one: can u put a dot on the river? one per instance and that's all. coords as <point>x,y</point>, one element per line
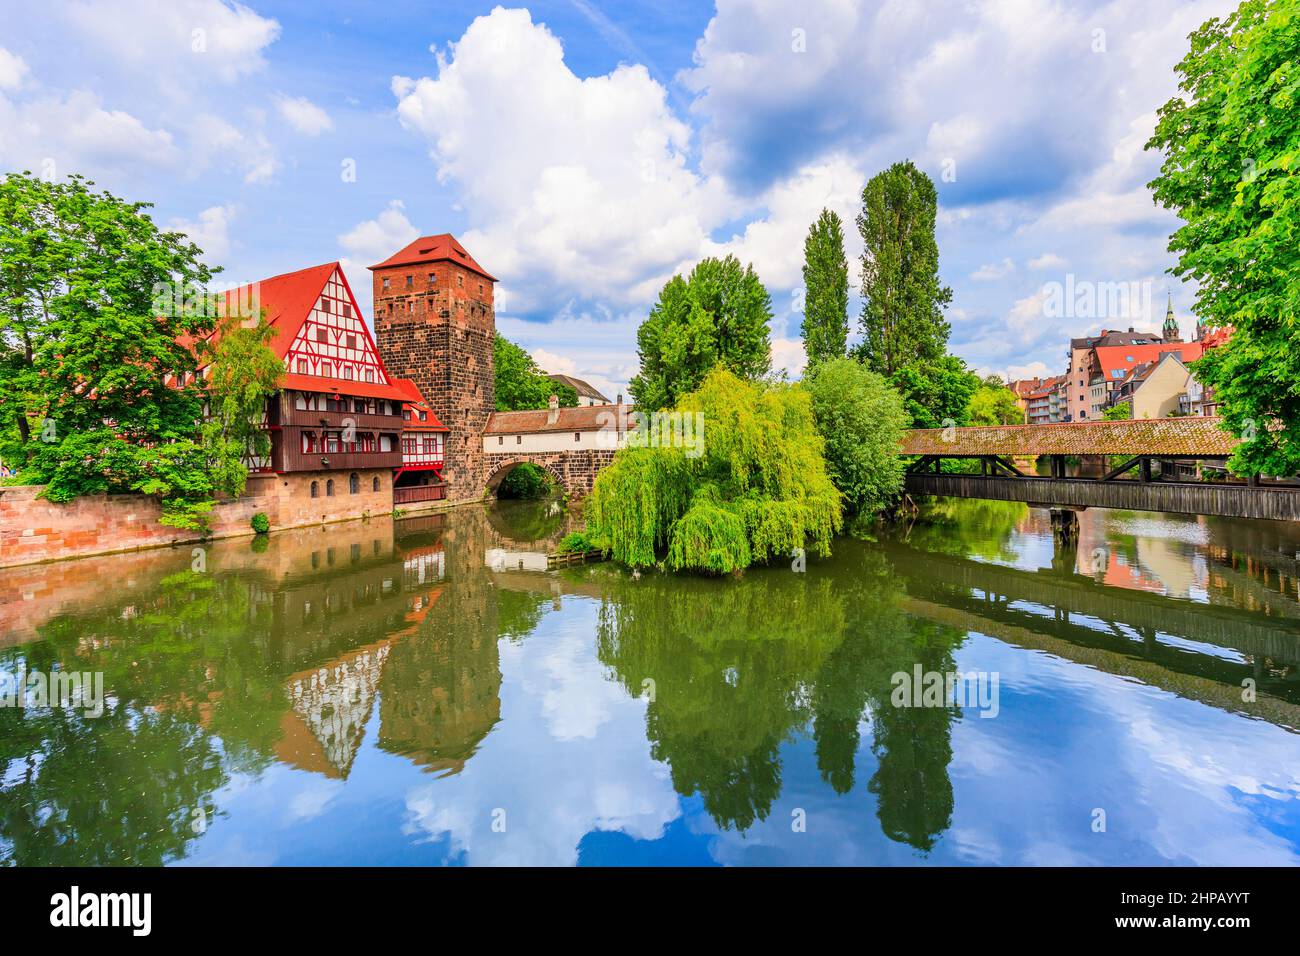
<point>423,691</point>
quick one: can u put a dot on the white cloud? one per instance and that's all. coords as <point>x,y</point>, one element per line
<point>1048,260</point>
<point>210,232</point>
<point>304,115</point>
<point>993,271</point>
<point>12,70</point>
<point>74,132</point>
<point>372,241</point>
<point>217,141</point>
<point>180,42</point>
<point>788,355</point>
<point>594,195</point>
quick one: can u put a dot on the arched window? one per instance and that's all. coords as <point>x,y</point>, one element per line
<point>315,489</point>
<point>374,483</point>
<point>354,483</point>
<point>329,488</point>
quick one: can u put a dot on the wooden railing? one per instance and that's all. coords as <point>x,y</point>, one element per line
<point>406,496</point>
<point>1278,503</point>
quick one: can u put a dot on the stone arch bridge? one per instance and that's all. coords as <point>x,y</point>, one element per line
<point>572,444</point>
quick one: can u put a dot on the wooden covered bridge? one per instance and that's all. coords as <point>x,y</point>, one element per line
<point>1143,482</point>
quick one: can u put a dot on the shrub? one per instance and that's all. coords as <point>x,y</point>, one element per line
<point>261,523</point>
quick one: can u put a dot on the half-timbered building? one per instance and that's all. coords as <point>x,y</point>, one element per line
<point>340,414</point>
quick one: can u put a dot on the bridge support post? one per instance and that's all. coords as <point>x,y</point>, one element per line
<point>1065,526</point>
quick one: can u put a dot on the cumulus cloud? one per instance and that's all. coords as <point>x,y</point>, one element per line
<point>60,134</point>
<point>993,271</point>
<point>372,241</point>
<point>1048,260</point>
<point>210,232</point>
<point>304,115</point>
<point>572,185</point>
<point>12,70</point>
<point>204,38</point>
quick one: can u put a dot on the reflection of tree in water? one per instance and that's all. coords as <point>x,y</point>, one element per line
<point>738,666</point>
<point>967,526</point>
<point>123,788</point>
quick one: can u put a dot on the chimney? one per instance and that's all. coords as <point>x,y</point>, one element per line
<point>553,410</point>
<point>620,399</point>
<point>553,402</point>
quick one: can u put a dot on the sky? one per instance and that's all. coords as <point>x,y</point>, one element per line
<point>584,151</point>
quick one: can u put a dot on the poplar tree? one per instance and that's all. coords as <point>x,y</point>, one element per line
<point>826,290</point>
<point>902,297</point>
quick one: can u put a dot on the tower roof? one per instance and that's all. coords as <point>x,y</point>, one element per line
<point>440,248</point>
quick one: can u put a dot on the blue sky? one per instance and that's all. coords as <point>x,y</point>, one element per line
<point>584,151</point>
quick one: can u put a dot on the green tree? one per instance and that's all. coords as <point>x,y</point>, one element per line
<point>861,418</point>
<point>87,357</point>
<point>520,384</point>
<point>244,374</point>
<point>718,315</point>
<point>1117,413</point>
<point>826,290</point>
<point>1231,146</point>
<point>937,392</point>
<point>902,297</point>
<point>992,403</point>
<point>755,489</point>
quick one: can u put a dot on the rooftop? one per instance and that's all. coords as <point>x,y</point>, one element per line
<point>1157,436</point>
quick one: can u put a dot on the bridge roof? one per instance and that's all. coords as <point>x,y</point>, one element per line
<point>587,418</point>
<point>1195,436</point>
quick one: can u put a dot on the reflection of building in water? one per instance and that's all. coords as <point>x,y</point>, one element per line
<point>504,559</point>
<point>424,566</point>
<point>331,706</point>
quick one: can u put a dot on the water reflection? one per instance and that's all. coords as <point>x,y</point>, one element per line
<point>397,691</point>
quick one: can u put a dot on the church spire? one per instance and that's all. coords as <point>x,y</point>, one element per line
<point>1171,331</point>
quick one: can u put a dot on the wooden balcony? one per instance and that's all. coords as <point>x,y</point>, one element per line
<point>339,420</point>
<point>406,496</point>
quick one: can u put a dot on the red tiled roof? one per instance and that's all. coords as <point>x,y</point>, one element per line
<point>285,300</point>
<point>416,403</point>
<point>1116,357</point>
<point>1156,436</point>
<point>318,383</point>
<point>588,418</point>
<point>441,248</point>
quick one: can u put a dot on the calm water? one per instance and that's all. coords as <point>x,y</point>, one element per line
<point>424,692</point>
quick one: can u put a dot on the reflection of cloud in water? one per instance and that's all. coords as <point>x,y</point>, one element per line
<point>576,760</point>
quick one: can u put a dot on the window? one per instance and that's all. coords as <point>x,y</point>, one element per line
<point>347,373</point>
<point>331,445</point>
<point>577,436</point>
<point>374,486</point>
<point>352,341</point>
<point>354,483</point>
<point>385,285</point>
<point>460,281</point>
<point>385,442</point>
<point>370,375</point>
<point>501,439</point>
<point>302,367</point>
<point>315,493</point>
<point>324,305</point>
<point>300,401</point>
<point>321,335</point>
<point>347,310</point>
<point>519,439</point>
<point>326,369</point>
<point>410,281</point>
<point>1128,358</point>
<point>329,491</point>
<point>432,278</point>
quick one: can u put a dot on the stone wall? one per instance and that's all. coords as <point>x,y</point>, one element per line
<point>34,530</point>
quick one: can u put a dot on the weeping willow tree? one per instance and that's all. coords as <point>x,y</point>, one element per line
<point>752,488</point>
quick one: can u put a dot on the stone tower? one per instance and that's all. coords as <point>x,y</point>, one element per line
<point>434,324</point>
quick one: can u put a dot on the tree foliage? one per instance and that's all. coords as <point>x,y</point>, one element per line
<point>243,374</point>
<point>98,390</point>
<point>902,297</point>
<point>718,315</point>
<point>1120,412</point>
<point>1231,171</point>
<point>757,491</point>
<point>992,403</point>
<point>936,393</point>
<point>520,384</point>
<point>826,290</point>
<point>861,419</point>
